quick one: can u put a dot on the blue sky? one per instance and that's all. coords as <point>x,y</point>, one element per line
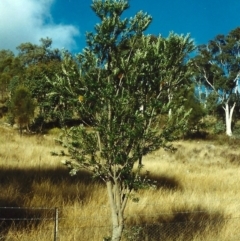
<point>203,19</point>
<point>66,21</point>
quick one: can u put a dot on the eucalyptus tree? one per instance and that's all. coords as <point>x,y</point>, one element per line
<point>121,87</point>
<point>217,68</point>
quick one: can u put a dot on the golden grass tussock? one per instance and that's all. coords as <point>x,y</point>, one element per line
<point>196,194</point>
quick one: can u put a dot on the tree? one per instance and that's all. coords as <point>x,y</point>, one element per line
<point>124,95</point>
<point>217,70</point>
<point>40,61</point>
<point>65,86</point>
<point>10,68</point>
<point>195,119</point>
<point>6,58</point>
<point>175,76</point>
<point>22,107</point>
<point>11,75</point>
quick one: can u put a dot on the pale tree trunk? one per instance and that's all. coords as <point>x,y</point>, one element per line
<point>228,118</point>
<point>207,94</point>
<point>170,97</point>
<point>118,202</point>
<point>170,113</point>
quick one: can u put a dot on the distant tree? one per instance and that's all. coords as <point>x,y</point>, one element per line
<point>22,107</point>
<point>218,70</point>
<point>32,54</point>
<point>191,102</point>
<point>10,68</point>
<point>5,76</point>
<point>40,61</point>
<point>123,93</point>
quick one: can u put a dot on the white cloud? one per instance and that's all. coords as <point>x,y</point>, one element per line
<point>29,20</point>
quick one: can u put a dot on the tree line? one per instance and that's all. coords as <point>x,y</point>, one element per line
<point>206,84</point>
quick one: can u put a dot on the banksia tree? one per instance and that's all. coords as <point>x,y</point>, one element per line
<point>120,88</point>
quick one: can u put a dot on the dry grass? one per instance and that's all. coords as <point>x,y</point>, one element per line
<point>196,196</point>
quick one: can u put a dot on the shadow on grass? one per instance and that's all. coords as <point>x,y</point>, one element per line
<point>165,182</point>
<point>21,186</point>
<point>196,135</point>
<point>179,225</point>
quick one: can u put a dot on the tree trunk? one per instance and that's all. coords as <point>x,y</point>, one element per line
<point>117,210</point>
<point>228,118</point>
<point>170,97</point>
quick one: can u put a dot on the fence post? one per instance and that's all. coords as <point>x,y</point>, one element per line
<point>56,225</point>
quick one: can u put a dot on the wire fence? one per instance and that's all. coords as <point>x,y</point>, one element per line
<point>40,223</point>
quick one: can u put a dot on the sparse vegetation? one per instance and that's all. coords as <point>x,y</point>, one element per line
<point>198,184</point>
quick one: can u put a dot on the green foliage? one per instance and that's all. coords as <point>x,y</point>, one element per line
<point>191,103</point>
<point>123,99</point>
<point>124,93</point>
<point>22,106</point>
<point>5,63</point>
<point>65,89</point>
<point>40,61</point>
<point>123,87</point>
<point>217,69</point>
<point>212,104</point>
<point>30,68</point>
<point>10,70</point>
<point>219,127</point>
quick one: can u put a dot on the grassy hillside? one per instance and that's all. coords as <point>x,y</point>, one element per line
<point>196,196</point>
